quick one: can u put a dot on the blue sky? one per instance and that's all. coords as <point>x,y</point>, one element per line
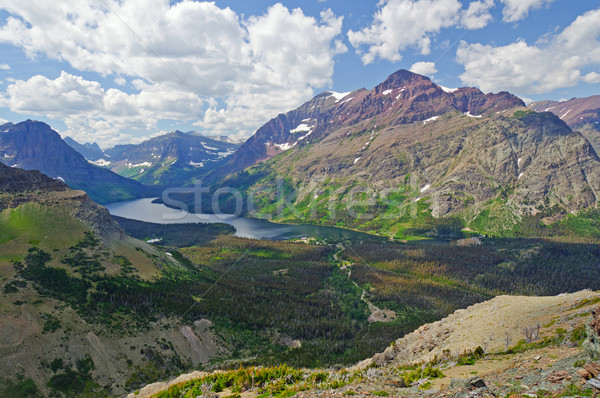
<point>116,71</point>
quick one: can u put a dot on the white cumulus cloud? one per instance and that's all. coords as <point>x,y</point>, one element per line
<point>250,68</point>
<point>424,68</point>
<point>562,60</point>
<point>515,10</point>
<point>477,15</point>
<point>400,24</point>
<point>592,78</point>
<point>120,80</point>
<point>85,106</point>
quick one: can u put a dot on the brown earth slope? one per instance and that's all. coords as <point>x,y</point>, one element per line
<point>43,330</point>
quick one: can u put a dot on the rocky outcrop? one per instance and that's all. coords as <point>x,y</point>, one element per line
<point>592,329</point>
<point>13,180</point>
<point>581,114</point>
<point>465,330</point>
<point>19,186</point>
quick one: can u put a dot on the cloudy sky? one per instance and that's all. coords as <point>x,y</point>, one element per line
<point>117,71</point>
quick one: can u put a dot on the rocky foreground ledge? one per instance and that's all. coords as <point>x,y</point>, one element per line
<point>508,346</point>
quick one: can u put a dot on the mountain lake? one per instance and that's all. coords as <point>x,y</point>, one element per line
<point>255,228</point>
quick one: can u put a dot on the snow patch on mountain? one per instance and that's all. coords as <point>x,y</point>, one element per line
<point>284,147</point>
<point>431,119</point>
<point>448,90</point>
<point>210,148</point>
<point>304,136</point>
<point>100,162</point>
<point>339,96</point>
<point>301,128</point>
<point>146,164</point>
<point>226,153</point>
<point>566,113</point>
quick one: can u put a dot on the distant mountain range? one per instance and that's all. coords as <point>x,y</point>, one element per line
<point>410,157</point>
<point>32,145</point>
<point>417,157</point>
<point>581,114</point>
<point>91,151</point>
<point>172,159</point>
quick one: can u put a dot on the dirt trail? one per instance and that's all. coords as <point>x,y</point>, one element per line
<point>377,314</point>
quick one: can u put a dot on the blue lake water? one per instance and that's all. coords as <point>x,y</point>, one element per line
<point>145,210</point>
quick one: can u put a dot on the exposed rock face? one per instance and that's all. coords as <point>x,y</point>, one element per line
<point>19,186</point>
<point>32,145</point>
<point>581,114</point>
<point>592,343</point>
<point>14,180</point>
<point>403,98</point>
<point>456,151</point>
<point>538,156</point>
<point>455,164</point>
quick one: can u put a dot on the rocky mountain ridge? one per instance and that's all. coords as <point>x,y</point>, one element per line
<point>581,114</point>
<point>576,112</point>
<point>14,180</point>
<point>90,151</point>
<point>32,145</point>
<point>410,152</point>
<point>171,159</point>
<point>18,187</point>
<point>403,98</point>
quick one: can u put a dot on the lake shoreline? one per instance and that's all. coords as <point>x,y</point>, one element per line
<point>148,210</point>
